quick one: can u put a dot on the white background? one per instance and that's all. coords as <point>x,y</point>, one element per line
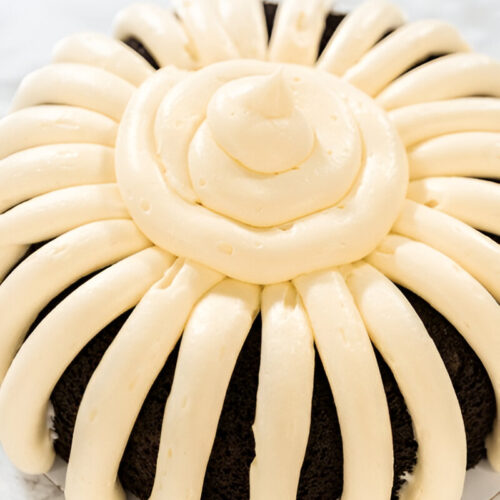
<point>29,30</point>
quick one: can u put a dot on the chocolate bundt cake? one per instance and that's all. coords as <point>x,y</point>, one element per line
<point>240,262</point>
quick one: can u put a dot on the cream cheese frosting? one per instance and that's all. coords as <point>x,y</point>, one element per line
<point>162,197</point>
<point>248,176</point>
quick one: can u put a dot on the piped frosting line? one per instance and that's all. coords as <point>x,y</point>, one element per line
<point>40,170</point>
<point>356,383</point>
<point>465,154</point>
<point>100,51</point>
<point>160,32</point>
<point>284,396</point>
<point>297,31</point>
<point>52,268</point>
<point>455,294</point>
<point>456,75</point>
<point>44,125</point>
<point>28,385</point>
<point>47,216</point>
<point>358,33</point>
<point>9,257</point>
<point>245,23</point>
<point>420,122</point>
<point>401,338</point>
<point>476,253</point>
<point>202,20</point>
<point>75,85</point>
<point>401,50</point>
<point>122,380</point>
<point>473,201</point>
<point>211,343</point>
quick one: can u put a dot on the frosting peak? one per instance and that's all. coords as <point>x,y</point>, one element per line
<point>256,121</point>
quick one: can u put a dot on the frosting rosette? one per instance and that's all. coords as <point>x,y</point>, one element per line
<point>252,167</point>
<point>171,184</point>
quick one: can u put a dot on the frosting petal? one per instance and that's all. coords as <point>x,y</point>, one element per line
<point>284,396</point>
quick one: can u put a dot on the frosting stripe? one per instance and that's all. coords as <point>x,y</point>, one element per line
<point>159,30</point>
<point>9,257</point>
<point>123,379</point>
<point>103,52</point>
<point>43,125</point>
<point>456,75</point>
<point>297,31</point>
<point>473,201</point>
<point>204,25</point>
<point>400,51</point>
<point>352,370</point>
<point>420,122</point>
<point>26,389</point>
<point>401,338</point>
<point>76,85</point>
<point>358,33</point>
<point>476,253</point>
<point>49,215</point>
<point>473,154</point>
<point>211,343</point>
<point>245,23</point>
<point>455,294</point>
<point>43,169</point>
<point>284,396</point>
<point>52,268</point>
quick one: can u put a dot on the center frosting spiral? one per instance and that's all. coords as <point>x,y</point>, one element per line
<point>261,171</point>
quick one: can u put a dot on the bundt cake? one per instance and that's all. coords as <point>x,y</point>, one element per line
<point>250,251</point>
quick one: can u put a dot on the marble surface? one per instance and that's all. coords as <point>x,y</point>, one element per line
<point>28,31</point>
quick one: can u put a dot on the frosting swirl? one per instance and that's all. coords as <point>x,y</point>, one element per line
<point>220,169</point>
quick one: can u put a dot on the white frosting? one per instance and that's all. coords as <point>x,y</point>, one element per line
<point>43,169</point>
<point>280,160</point>
<point>284,397</point>
<point>401,338</point>
<point>419,122</point>
<point>52,268</point>
<point>31,379</point>
<point>103,52</point>
<point>9,257</point>
<point>473,154</point>
<point>159,193</point>
<point>401,50</point>
<point>350,365</point>
<point>456,75</point>
<point>123,379</point>
<point>43,125</point>
<point>49,215</point>
<point>297,31</point>
<point>203,22</point>
<point>263,172</point>
<point>358,33</point>
<point>456,295</point>
<point>245,23</point>
<point>76,85</point>
<point>473,201</point>
<point>160,32</point>
<point>476,253</point>
<point>211,343</point>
